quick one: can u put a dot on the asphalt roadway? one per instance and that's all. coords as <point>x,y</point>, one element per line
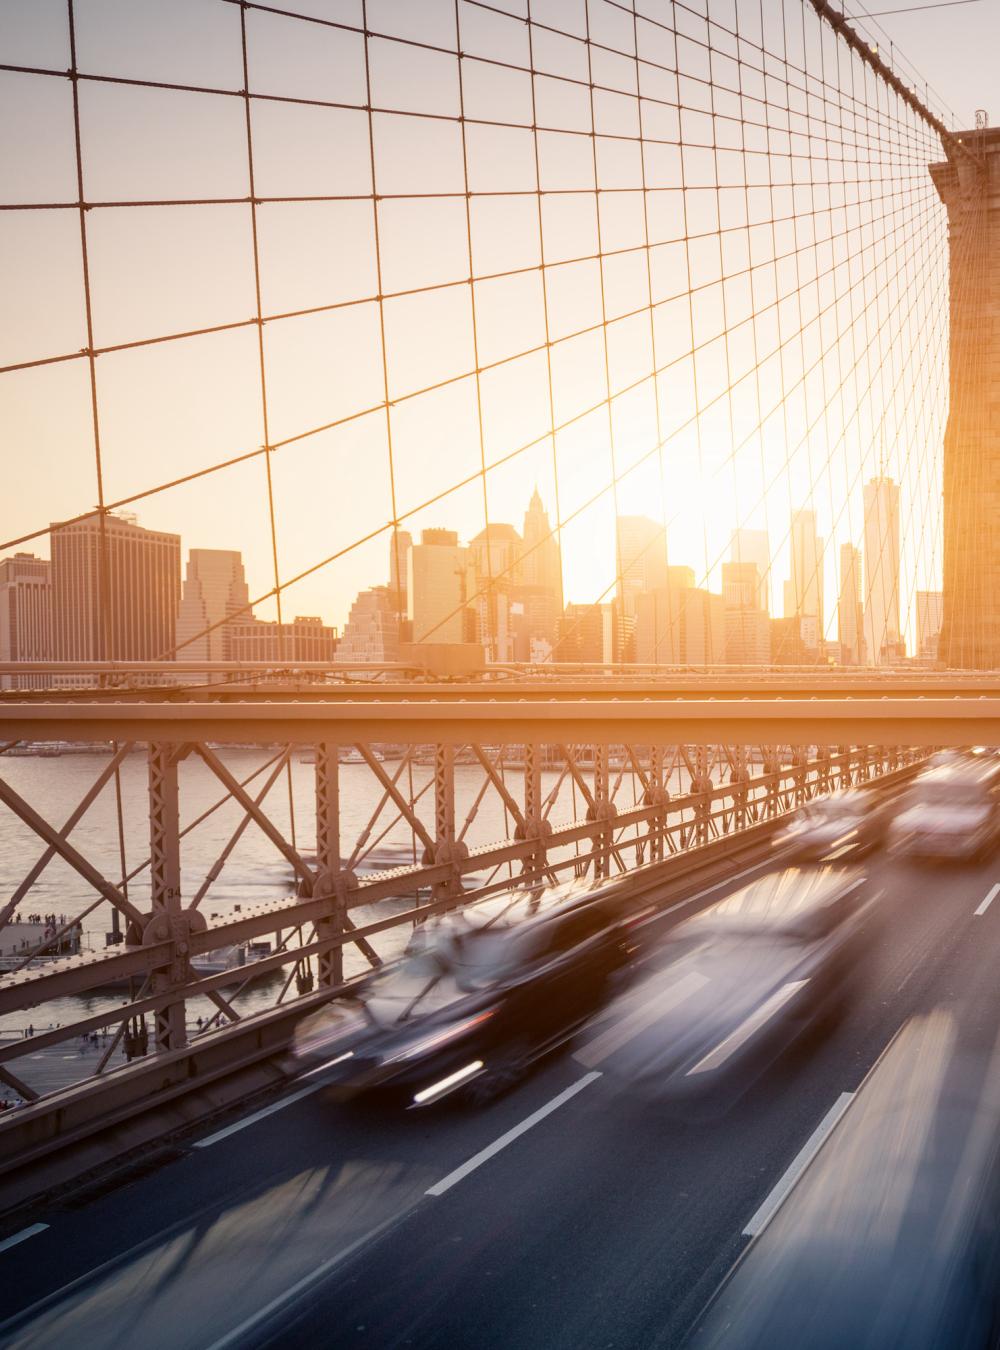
<point>566,1215</point>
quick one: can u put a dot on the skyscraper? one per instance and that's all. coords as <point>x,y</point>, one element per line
<point>438,590</point>
<point>115,590</point>
<point>640,569</point>
<point>400,543</point>
<point>25,616</point>
<point>494,557</point>
<point>804,590</point>
<point>930,613</point>
<point>752,546</point>
<point>747,626</point>
<point>640,558</point>
<point>215,589</point>
<point>881,584</point>
<point>849,609</point>
<point>372,629</point>
<point>541,574</point>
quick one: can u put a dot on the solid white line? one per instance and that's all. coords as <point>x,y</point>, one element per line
<point>237,1336</point>
<point>491,1150</point>
<point>799,1164</point>
<point>219,1135</point>
<point>727,1048</point>
<point>994,891</point>
<point>23,1236</point>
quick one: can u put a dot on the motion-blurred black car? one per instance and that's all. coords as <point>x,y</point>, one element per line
<point>478,995</point>
<point>734,986</point>
<point>843,825</point>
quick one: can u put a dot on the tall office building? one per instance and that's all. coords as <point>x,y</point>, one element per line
<point>640,569</point>
<point>930,616</point>
<point>640,558</point>
<point>804,589</point>
<point>400,543</point>
<point>967,184</point>
<point>115,590</point>
<point>372,629</point>
<point>494,559</point>
<point>679,623</point>
<point>747,625</point>
<point>438,589</point>
<point>849,608</point>
<point>881,584</point>
<point>541,574</point>
<point>584,634</point>
<point>215,589</point>
<point>752,546</point>
<point>25,616</point>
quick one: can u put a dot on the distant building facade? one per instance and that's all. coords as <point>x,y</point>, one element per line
<point>930,618</point>
<point>400,543</point>
<point>640,569</point>
<point>881,583</point>
<point>437,589</point>
<point>115,590</point>
<point>680,624</point>
<point>849,608</point>
<point>25,616</point>
<point>372,629</point>
<point>803,594</point>
<point>753,546</point>
<point>215,591</point>
<point>306,638</point>
<point>747,625</point>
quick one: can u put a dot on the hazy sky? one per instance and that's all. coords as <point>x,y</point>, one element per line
<point>811,354</point>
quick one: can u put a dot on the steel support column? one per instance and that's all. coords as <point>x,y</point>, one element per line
<point>329,880</point>
<point>446,849</point>
<point>165,891</point>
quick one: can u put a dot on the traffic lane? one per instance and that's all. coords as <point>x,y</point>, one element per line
<point>257,1173</point>
<point>239,1221</point>
<point>88,1231</point>
<point>916,1156</point>
<point>611,1224</point>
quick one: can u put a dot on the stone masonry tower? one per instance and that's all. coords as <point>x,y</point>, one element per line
<point>969,185</point>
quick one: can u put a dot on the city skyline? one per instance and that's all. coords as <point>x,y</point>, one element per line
<point>500,589</point>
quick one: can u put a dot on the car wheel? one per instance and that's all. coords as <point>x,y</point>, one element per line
<point>503,1071</point>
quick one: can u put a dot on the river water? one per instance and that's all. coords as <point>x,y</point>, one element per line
<point>255,871</point>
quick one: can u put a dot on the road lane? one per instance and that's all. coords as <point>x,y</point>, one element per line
<point>603,1224</point>
<point>615,1231</point>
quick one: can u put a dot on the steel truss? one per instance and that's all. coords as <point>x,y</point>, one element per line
<point>631,803</point>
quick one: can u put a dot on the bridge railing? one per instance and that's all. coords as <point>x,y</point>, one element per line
<point>569,811</point>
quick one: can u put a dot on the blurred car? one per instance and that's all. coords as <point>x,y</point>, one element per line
<point>842,825</point>
<point>890,1237</point>
<point>735,985</point>
<point>478,995</point>
<point>950,811</point>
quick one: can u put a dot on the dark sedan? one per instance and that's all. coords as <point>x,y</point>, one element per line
<point>477,997</point>
<point>734,985</point>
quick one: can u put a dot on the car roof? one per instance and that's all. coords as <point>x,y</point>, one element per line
<point>778,901</point>
<point>964,769</point>
<point>534,906</point>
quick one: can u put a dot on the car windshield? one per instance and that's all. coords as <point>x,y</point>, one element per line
<point>833,808</point>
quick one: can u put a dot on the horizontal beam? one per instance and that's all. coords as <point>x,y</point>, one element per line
<point>959,720</point>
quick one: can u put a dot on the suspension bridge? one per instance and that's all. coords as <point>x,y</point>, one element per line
<point>330,287</point>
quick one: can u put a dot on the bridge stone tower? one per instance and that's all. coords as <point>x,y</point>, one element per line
<point>969,185</point>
